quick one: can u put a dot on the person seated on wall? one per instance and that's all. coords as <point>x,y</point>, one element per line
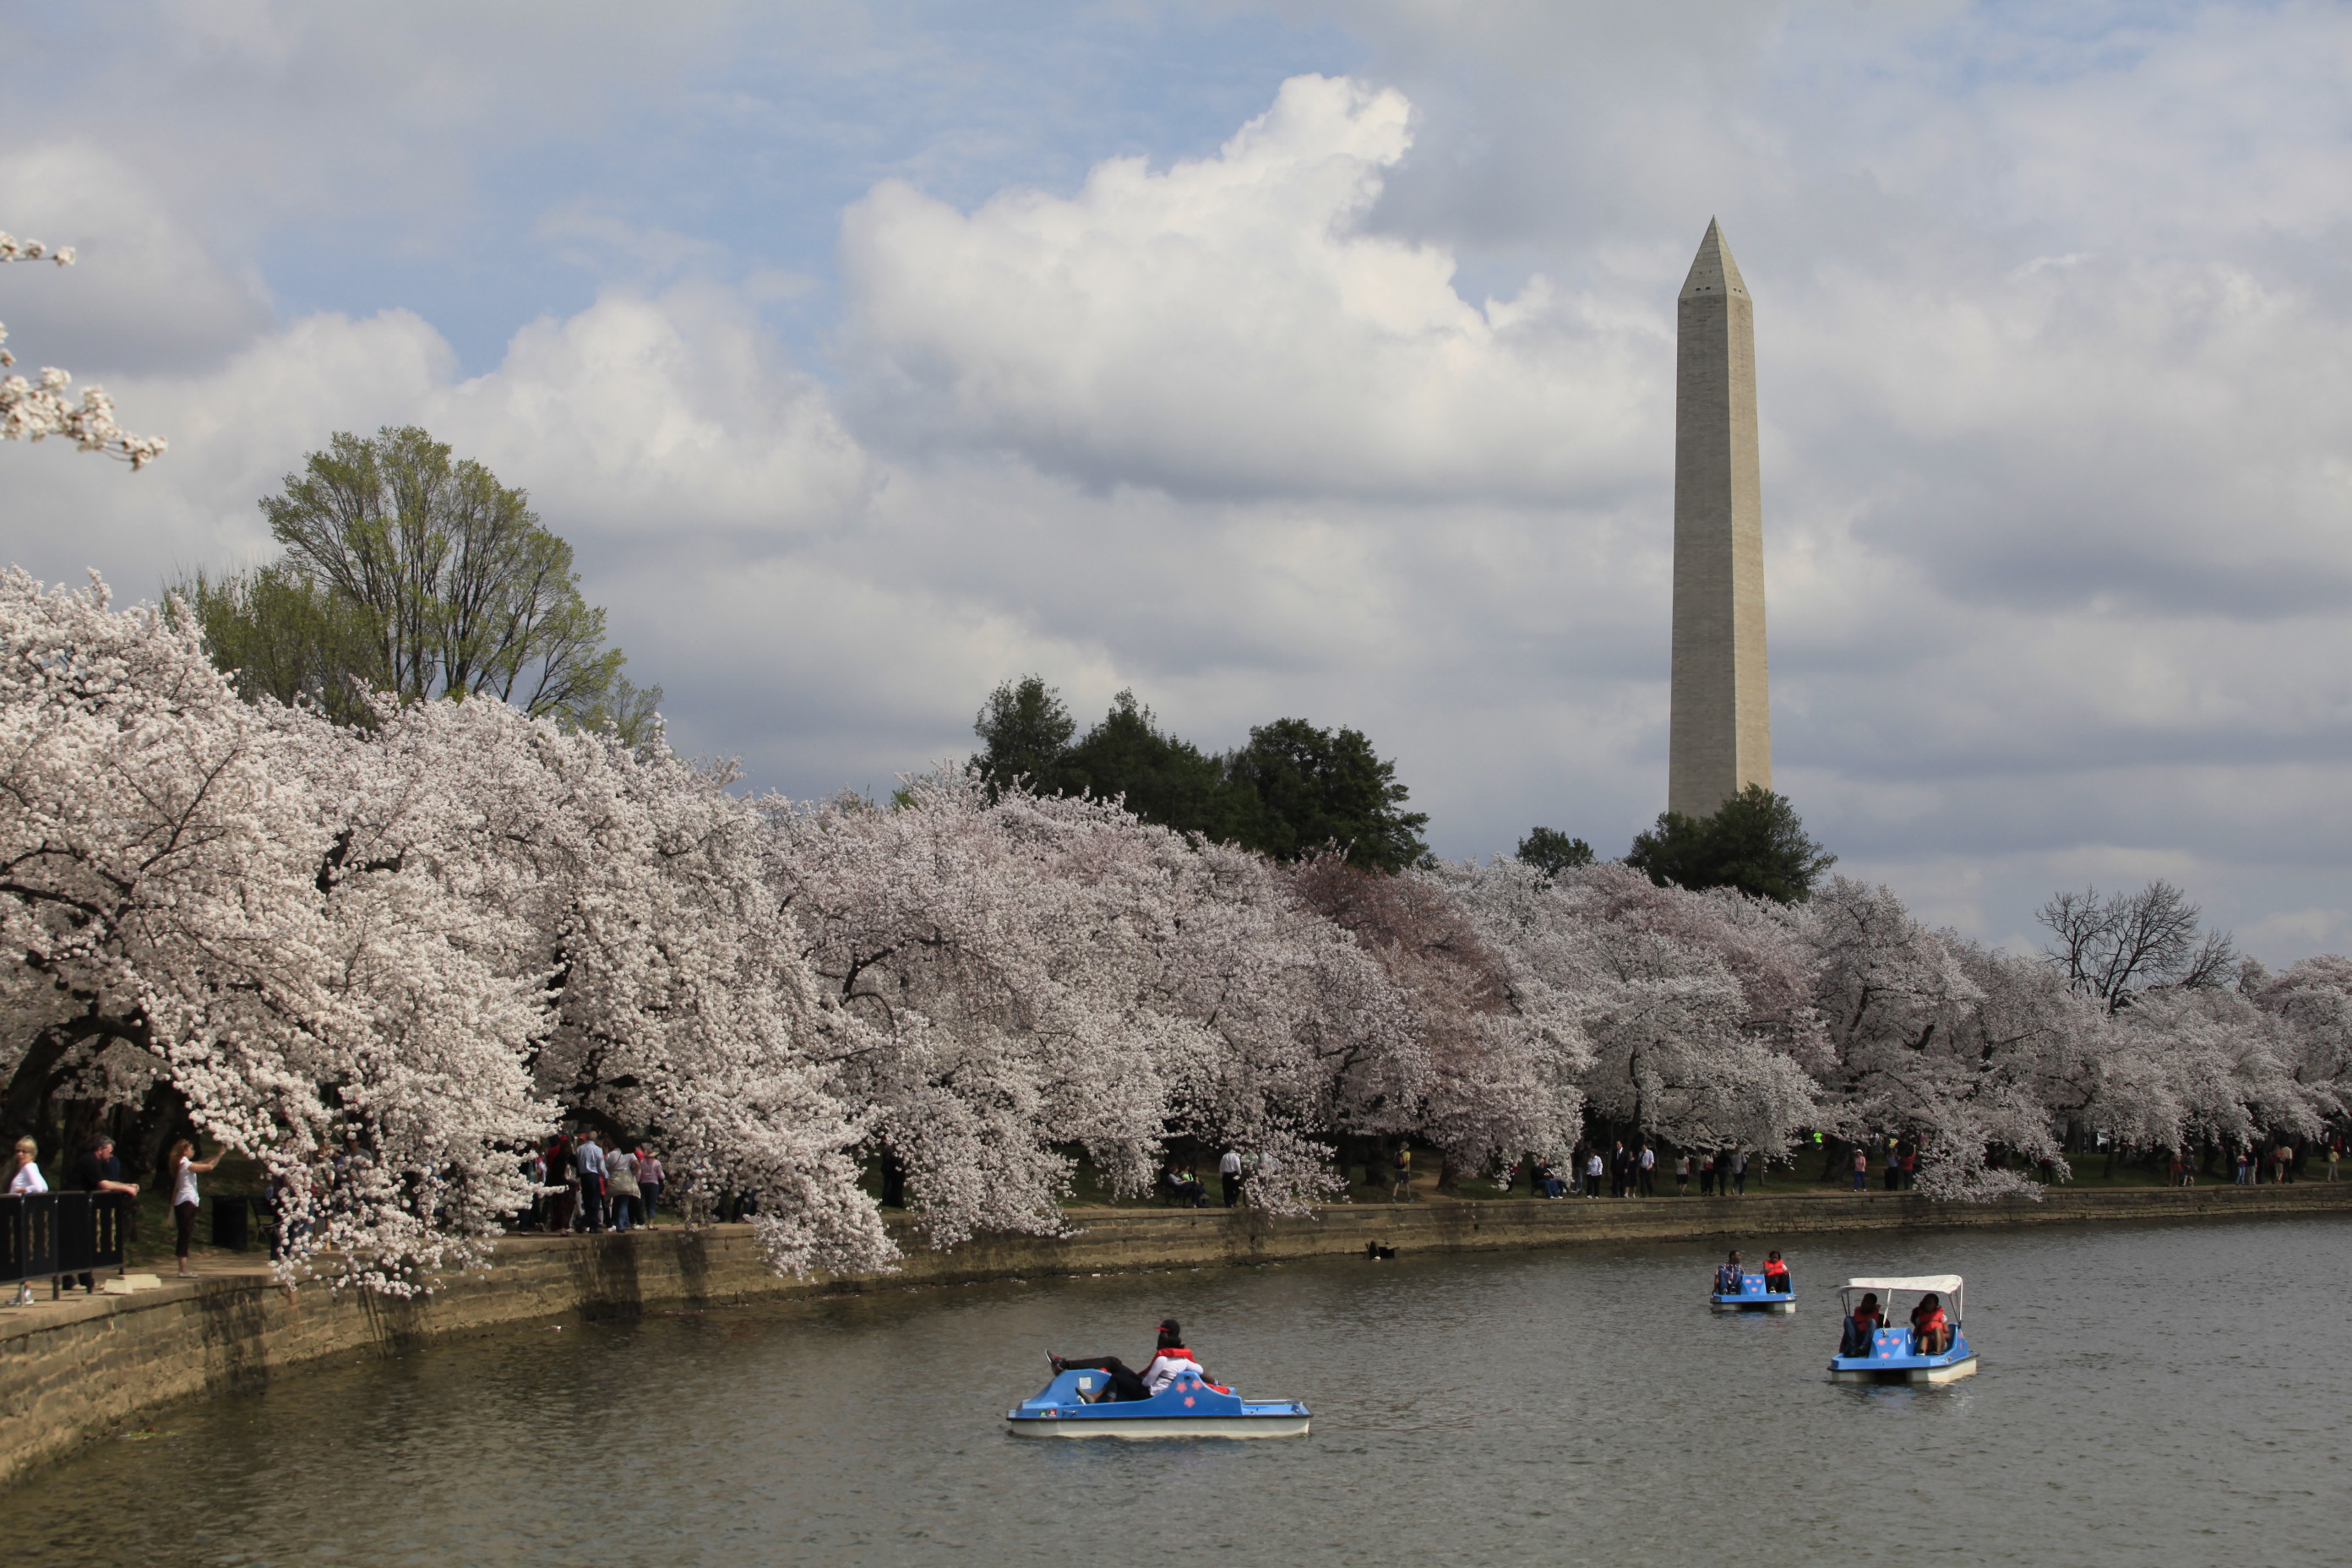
<point>1185,1188</point>
<point>1727,1279</point>
<point>1776,1273</point>
<point>1930,1334</point>
<point>1168,1362</point>
<point>1866,1320</point>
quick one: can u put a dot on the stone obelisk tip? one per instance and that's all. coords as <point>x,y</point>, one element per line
<point>1711,270</point>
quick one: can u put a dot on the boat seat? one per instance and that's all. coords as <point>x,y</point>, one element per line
<point>1887,1343</point>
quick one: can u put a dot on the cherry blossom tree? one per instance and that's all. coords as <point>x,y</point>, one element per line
<point>1692,1008</point>
<point>1496,1067</point>
<point>33,411</point>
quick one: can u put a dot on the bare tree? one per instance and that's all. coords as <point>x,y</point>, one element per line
<point>2114,946</point>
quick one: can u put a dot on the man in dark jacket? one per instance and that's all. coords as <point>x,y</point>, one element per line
<point>98,1171</point>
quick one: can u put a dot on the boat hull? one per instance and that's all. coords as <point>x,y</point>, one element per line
<point>1136,1427</point>
<point>1880,1372</point>
<point>1743,1304</point>
<point>1186,1407</point>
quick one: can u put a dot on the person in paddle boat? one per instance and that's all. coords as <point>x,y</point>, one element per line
<point>1867,1320</point>
<point>1727,1279</point>
<point>1776,1273</point>
<point>1930,1334</point>
<point>1170,1362</point>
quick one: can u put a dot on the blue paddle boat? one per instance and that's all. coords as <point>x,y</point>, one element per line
<point>1892,1353</point>
<point>1187,1407</point>
<point>1753,1296</point>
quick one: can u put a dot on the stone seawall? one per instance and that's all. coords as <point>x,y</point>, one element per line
<point>74,1371</point>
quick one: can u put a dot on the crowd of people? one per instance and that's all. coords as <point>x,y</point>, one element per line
<point>593,1182</point>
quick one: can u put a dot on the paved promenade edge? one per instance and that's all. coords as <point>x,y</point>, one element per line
<point>84,1369</point>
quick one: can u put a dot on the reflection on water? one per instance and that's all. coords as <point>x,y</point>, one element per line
<point>2149,1395</point>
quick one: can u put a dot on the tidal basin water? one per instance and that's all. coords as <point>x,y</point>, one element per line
<point>2149,1394</point>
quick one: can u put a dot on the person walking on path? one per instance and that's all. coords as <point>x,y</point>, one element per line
<point>2333,1153</point>
<point>1706,1174</point>
<point>1910,1164</point>
<point>1893,1165</point>
<point>183,1166</point>
<point>1740,1171</point>
<point>1649,1171</point>
<point>1401,1190</point>
<point>1592,1175</point>
<point>1682,1175</point>
<point>1229,1175</point>
<point>650,1182</point>
<point>1861,1169</point>
<point>592,1183</point>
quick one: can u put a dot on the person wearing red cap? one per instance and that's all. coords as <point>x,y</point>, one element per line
<point>1168,1362</point>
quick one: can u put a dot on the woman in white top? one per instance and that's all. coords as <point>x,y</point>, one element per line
<point>621,1185</point>
<point>183,1166</point>
<point>26,1176</point>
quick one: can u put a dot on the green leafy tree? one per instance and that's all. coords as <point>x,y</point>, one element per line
<point>1163,779</point>
<point>1550,851</point>
<point>410,573</point>
<point>1298,788</point>
<point>1754,842</point>
<point>282,636</point>
<point>1024,728</point>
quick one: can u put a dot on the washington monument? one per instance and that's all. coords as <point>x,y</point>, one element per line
<point>1719,739</point>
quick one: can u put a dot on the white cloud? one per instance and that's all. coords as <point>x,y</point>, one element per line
<point>1229,325</point>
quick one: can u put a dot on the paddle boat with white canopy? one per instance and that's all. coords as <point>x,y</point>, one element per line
<point>1890,1353</point>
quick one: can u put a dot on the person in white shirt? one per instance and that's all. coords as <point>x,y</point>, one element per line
<point>1230,1169</point>
<point>1170,1362</point>
<point>27,1177</point>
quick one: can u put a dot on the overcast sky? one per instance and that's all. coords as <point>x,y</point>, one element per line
<point>1305,359</point>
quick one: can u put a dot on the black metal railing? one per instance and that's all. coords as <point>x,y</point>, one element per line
<point>48,1235</point>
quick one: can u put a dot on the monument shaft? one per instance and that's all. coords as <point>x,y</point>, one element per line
<point>1719,737</point>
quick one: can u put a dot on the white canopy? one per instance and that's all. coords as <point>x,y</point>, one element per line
<point>1943,1284</point>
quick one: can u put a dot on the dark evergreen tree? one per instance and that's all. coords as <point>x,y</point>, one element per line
<point>1754,842</point>
<point>1550,851</point>
<point>1298,789</point>
<point>1163,780</point>
<point>1025,731</point>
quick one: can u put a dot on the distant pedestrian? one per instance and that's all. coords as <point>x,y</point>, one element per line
<point>591,1156</point>
<point>1910,1165</point>
<point>183,1167</point>
<point>1648,1178</point>
<point>1893,1165</point>
<point>621,1186</point>
<point>2333,1153</point>
<point>563,1175</point>
<point>1400,1168</point>
<point>1229,1174</point>
<point>1592,1175</point>
<point>24,1175</point>
<point>650,1182</point>
<point>1740,1171</point>
<point>1706,1174</point>
<point>1682,1175</point>
<point>1861,1169</point>
<point>98,1171</point>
